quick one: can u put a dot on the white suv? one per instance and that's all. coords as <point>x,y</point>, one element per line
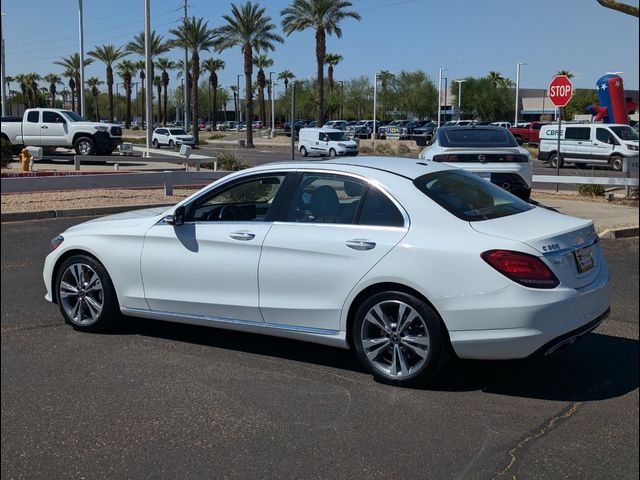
<point>489,151</point>
<point>172,138</point>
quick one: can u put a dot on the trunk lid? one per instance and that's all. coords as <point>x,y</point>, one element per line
<point>568,244</point>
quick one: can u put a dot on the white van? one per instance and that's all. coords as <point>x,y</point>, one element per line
<point>325,142</point>
<point>589,143</point>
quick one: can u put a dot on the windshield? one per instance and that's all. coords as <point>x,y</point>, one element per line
<point>73,116</point>
<point>177,131</point>
<point>337,136</point>
<point>476,137</point>
<point>625,133</point>
<point>468,196</point>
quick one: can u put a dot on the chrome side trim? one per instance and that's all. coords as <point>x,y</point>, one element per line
<point>334,338</point>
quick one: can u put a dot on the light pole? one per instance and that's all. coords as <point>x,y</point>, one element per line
<point>515,122</point>
<point>81,28</point>
<point>446,88</point>
<point>375,91</point>
<point>459,82</point>
<point>185,92</point>
<point>341,82</point>
<point>238,113</point>
<point>2,64</point>
<point>440,91</point>
<point>273,103</point>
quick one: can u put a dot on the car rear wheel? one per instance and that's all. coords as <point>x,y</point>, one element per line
<point>85,294</point>
<point>400,339</point>
<point>554,160</point>
<point>303,152</point>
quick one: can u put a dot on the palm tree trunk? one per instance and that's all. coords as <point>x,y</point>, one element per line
<point>110,92</point>
<point>262,106</point>
<point>195,73</point>
<point>159,87</point>
<point>321,50</point>
<point>164,110</point>
<point>127,122</point>
<point>248,72</point>
<point>214,123</point>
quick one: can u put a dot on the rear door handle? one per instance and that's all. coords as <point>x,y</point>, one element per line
<point>44,126</point>
<point>242,236</point>
<point>360,244</point>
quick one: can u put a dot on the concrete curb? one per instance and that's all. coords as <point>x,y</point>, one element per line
<point>615,233</point>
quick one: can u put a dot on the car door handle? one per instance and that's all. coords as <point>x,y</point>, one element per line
<point>44,126</point>
<point>359,244</point>
<point>242,236</point>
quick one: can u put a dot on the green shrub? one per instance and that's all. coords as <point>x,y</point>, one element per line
<point>383,149</point>
<point>136,140</point>
<point>590,190</point>
<point>402,148</point>
<point>216,136</point>
<point>7,153</point>
<point>227,162</point>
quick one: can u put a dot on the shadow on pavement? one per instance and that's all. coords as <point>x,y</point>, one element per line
<point>598,367</point>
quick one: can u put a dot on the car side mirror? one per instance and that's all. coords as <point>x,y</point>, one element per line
<point>177,218</point>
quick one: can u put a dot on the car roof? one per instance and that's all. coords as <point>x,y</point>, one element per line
<point>410,168</point>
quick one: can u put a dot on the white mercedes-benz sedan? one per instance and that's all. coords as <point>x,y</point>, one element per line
<point>406,262</point>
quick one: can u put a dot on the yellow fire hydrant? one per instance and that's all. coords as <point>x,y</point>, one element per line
<point>25,159</point>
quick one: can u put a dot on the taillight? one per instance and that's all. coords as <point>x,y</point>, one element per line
<point>445,158</point>
<point>522,268</point>
<point>516,158</point>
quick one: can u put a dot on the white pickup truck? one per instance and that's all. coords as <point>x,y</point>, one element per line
<point>52,127</point>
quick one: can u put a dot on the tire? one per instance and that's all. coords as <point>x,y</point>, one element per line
<point>616,163</point>
<point>85,146</point>
<point>172,145</point>
<point>553,161</point>
<point>303,152</point>
<point>155,143</point>
<point>403,354</point>
<point>332,153</point>
<point>85,294</point>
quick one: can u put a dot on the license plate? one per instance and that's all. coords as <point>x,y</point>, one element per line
<point>584,259</point>
<point>486,176</point>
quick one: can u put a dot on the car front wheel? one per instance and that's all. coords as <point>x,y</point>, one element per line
<point>400,339</point>
<point>85,146</point>
<point>85,294</point>
<point>616,163</point>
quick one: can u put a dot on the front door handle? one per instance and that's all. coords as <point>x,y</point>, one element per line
<point>360,244</point>
<point>242,236</point>
<point>44,126</point>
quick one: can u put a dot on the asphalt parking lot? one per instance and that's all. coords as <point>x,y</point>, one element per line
<point>158,400</point>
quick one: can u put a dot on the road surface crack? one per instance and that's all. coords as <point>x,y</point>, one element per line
<point>546,428</point>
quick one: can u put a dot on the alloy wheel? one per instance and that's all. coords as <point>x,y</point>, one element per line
<point>81,294</point>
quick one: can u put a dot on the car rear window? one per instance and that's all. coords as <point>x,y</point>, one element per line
<point>468,196</point>
<point>476,137</point>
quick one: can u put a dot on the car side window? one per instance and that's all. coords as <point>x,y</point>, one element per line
<point>603,135</point>
<point>243,201</point>
<point>326,198</point>
<point>379,210</point>
<point>52,117</point>
<point>577,133</point>
<point>33,117</point>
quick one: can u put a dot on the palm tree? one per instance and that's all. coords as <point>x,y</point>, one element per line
<point>496,78</point>
<point>212,65</point>
<point>21,78</point>
<point>32,88</point>
<point>157,82</point>
<point>194,35</point>
<point>248,28</point>
<point>331,59</point>
<point>126,70</point>
<point>567,73</point>
<point>323,16</point>
<point>53,79</point>
<point>71,64</point>
<point>158,46</point>
<point>93,83</point>
<point>285,76</point>
<point>140,67</point>
<point>165,64</point>
<point>108,54</point>
<point>262,62</point>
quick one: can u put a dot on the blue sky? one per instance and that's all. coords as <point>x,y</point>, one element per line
<point>468,37</point>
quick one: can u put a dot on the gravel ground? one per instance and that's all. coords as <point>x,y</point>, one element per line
<point>33,202</point>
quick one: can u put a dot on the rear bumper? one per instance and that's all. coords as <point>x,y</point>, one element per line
<point>533,323</point>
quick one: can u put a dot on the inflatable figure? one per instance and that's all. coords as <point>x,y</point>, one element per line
<point>612,106</point>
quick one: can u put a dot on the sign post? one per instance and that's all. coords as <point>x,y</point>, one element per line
<point>560,93</point>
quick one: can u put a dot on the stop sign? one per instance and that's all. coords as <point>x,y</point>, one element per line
<point>560,90</point>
